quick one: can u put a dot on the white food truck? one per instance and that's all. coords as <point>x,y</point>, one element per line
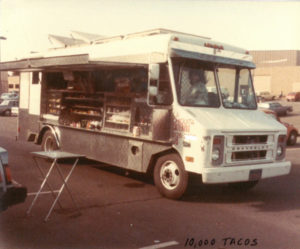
<point>160,102</point>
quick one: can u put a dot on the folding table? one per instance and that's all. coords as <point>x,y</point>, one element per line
<point>54,156</point>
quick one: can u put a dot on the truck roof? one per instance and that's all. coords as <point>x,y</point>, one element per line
<point>152,46</point>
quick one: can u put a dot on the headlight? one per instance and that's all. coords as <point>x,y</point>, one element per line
<point>215,154</point>
<point>281,144</point>
<point>217,150</point>
<point>279,150</point>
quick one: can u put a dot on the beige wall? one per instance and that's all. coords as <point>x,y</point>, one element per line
<point>276,58</point>
<point>282,78</point>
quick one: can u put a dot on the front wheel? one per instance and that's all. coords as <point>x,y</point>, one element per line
<point>49,142</point>
<point>170,177</point>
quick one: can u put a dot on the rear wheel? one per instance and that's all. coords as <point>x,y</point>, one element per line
<point>292,139</point>
<point>49,142</point>
<point>242,186</point>
<point>170,177</point>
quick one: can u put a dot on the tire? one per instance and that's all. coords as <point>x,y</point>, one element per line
<point>7,113</point>
<point>170,177</point>
<point>49,142</point>
<point>292,139</point>
<point>242,186</point>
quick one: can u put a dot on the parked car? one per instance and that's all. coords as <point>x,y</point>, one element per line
<point>276,107</point>
<point>266,96</point>
<point>293,96</point>
<point>10,96</point>
<point>9,194</point>
<point>292,131</point>
<point>6,105</point>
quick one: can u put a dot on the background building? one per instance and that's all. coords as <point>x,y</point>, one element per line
<point>9,82</point>
<point>3,82</point>
<point>14,82</point>
<point>277,71</point>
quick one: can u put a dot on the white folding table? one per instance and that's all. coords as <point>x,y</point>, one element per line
<point>54,156</point>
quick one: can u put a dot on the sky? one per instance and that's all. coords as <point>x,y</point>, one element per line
<point>253,25</point>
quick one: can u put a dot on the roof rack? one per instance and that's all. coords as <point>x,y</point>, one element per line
<point>145,33</point>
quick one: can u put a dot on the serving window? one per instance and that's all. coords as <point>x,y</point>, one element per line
<point>98,99</point>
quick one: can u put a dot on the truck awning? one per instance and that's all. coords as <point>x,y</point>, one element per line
<point>211,58</point>
<point>71,61</point>
<point>40,63</point>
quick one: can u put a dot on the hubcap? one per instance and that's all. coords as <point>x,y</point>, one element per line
<point>169,175</point>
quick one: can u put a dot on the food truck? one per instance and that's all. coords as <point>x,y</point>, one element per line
<point>160,102</point>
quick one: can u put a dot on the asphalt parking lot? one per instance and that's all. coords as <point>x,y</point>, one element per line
<point>122,209</point>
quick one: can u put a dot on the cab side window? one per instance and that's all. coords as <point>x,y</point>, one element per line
<point>164,96</point>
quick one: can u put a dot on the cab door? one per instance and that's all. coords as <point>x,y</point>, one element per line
<point>162,105</point>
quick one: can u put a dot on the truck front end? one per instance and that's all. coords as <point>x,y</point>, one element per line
<point>217,129</point>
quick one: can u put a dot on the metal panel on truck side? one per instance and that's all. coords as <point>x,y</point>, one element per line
<point>121,151</point>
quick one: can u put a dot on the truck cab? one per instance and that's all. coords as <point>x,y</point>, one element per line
<point>217,129</point>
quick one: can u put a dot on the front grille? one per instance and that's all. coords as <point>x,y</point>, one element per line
<point>252,139</point>
<point>248,155</point>
<point>249,148</point>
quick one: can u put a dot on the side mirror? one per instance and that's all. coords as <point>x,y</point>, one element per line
<point>153,79</point>
<point>154,71</point>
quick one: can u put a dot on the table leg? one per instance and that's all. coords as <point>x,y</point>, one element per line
<point>65,180</point>
<point>41,187</point>
<point>43,175</point>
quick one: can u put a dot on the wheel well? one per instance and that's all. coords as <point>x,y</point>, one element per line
<point>41,135</point>
<point>154,158</point>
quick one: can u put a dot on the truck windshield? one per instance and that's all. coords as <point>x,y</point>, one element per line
<point>236,88</point>
<point>196,85</point>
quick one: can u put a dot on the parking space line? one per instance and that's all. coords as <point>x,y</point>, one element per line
<point>161,245</point>
<point>34,193</point>
<point>16,183</point>
<point>292,150</point>
<point>297,148</point>
<point>43,192</point>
